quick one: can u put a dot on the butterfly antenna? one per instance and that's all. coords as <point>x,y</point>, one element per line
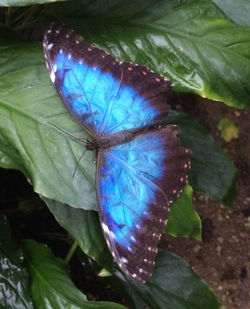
<point>68,134</point>
<point>77,163</point>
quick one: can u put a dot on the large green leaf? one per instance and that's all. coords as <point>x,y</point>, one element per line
<point>183,219</point>
<point>28,141</point>
<point>84,226</point>
<point>51,286</point>
<point>212,171</point>
<point>190,42</point>
<point>238,11</point>
<point>10,3</point>
<point>173,282</point>
<point>14,283</point>
<point>173,286</point>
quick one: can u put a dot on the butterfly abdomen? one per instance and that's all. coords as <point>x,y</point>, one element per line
<point>122,137</point>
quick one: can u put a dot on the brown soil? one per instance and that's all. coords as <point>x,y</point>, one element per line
<point>223,258</point>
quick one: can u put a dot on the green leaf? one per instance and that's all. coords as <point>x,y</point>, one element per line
<point>29,141</point>
<point>183,220</point>
<point>173,286</point>
<point>51,286</point>
<point>238,11</point>
<point>10,3</point>
<point>14,283</point>
<point>84,227</point>
<point>212,171</point>
<point>191,43</point>
<point>228,130</point>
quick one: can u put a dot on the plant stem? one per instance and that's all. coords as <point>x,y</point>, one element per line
<point>71,252</point>
<point>8,13</point>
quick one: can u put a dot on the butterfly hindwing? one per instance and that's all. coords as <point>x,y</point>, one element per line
<point>135,184</point>
<point>105,95</point>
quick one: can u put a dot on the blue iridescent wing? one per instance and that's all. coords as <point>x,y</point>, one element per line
<point>135,184</point>
<point>105,95</point>
<point>135,181</point>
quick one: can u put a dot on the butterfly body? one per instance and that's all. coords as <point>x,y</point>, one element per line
<point>105,142</point>
<point>119,138</point>
<point>141,166</point>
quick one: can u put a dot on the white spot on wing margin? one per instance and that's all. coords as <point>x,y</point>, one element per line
<point>52,76</point>
<point>105,228</point>
<point>50,46</point>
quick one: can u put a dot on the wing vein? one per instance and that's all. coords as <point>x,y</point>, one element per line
<point>111,102</point>
<point>143,179</point>
<point>118,190</point>
<point>84,93</point>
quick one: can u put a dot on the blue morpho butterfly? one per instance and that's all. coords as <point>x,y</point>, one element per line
<point>141,166</point>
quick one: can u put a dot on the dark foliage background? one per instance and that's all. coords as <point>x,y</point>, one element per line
<point>203,47</point>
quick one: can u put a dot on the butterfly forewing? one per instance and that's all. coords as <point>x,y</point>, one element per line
<point>105,95</point>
